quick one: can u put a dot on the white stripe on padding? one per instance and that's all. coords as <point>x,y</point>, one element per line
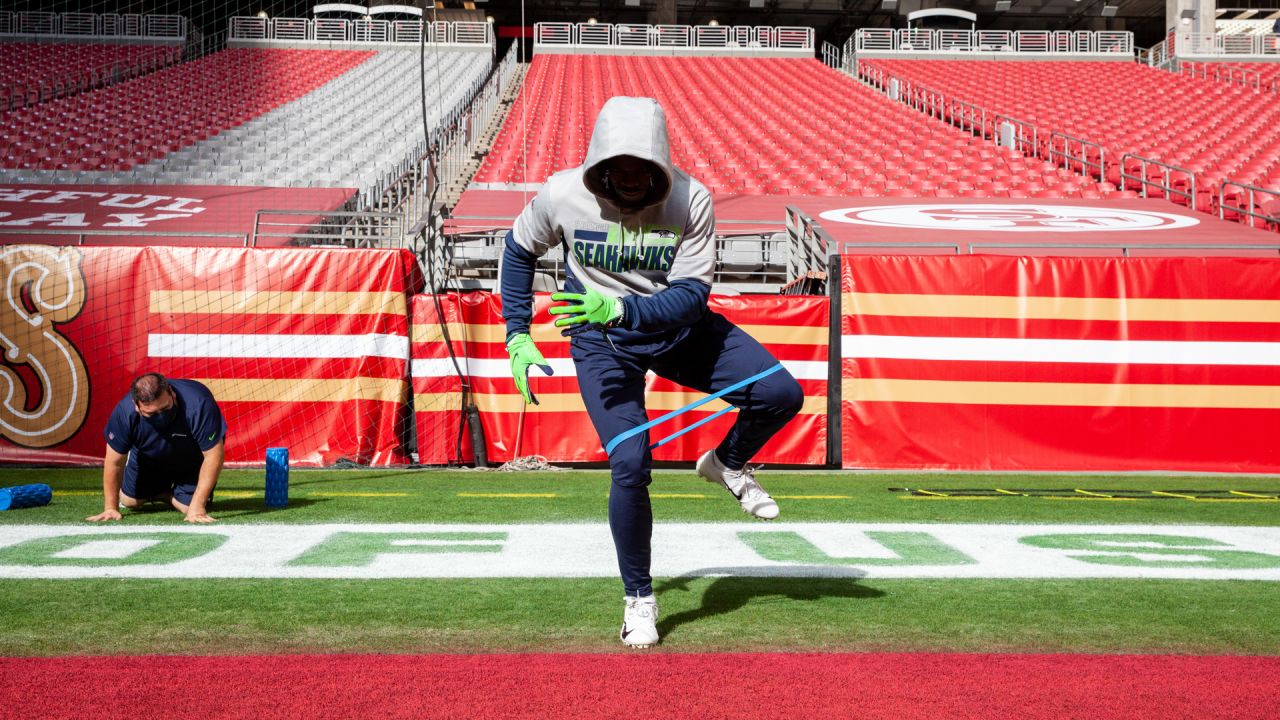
<point>279,346</point>
<point>487,368</point>
<point>563,367</point>
<point>1118,352</point>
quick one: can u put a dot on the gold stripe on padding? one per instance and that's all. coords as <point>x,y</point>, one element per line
<point>1063,394</point>
<point>432,332</point>
<point>1062,308</point>
<point>270,302</point>
<point>307,390</point>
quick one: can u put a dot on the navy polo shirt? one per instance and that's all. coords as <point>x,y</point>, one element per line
<point>197,426</point>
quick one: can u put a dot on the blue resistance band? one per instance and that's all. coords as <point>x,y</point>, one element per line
<point>608,449</point>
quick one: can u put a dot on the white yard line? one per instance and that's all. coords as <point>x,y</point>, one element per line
<point>585,550</point>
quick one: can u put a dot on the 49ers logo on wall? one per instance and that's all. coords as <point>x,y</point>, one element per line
<point>43,287</point>
<point>1010,217</point>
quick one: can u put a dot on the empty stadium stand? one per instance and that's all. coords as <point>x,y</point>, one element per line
<point>763,126</point>
<point>1210,131</point>
<point>299,144</point>
<point>136,122</point>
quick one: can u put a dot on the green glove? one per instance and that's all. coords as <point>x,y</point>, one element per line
<point>523,354</point>
<point>589,307</point>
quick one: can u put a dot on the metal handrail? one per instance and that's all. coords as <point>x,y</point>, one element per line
<point>553,34</point>
<point>1022,129</point>
<point>1124,247</point>
<point>1040,42</point>
<point>808,244</point>
<point>844,246</point>
<point>81,25</point>
<point>832,56</point>
<point>1067,157</point>
<point>1167,169</point>
<point>360,31</point>
<point>345,226</point>
<point>1249,212</point>
<point>968,117</point>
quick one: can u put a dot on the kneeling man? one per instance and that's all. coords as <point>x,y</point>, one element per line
<point>165,441</point>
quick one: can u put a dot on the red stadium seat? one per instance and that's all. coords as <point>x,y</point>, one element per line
<point>799,128</point>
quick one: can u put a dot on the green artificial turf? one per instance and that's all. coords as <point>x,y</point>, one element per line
<point>418,496</point>
<point>92,617</point>
<point>207,616</point>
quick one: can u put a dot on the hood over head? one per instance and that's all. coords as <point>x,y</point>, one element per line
<point>629,126</point>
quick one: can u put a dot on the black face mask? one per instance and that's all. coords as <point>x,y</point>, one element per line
<point>163,419</point>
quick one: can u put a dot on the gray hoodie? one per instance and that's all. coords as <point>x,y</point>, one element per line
<point>621,252</point>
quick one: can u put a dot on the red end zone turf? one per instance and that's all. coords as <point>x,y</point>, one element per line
<point>655,685</point>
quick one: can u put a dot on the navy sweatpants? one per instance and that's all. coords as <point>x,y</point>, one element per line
<point>712,355</point>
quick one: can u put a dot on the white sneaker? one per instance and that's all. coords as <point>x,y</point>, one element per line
<point>741,483</point>
<point>640,622</point>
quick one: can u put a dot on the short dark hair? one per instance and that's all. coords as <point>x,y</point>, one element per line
<point>148,388</point>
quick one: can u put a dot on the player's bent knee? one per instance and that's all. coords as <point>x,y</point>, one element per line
<point>784,396</point>
<point>630,471</point>
<point>129,502</point>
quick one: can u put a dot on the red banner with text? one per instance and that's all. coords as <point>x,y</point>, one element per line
<point>193,215</point>
<point>304,349</point>
<point>794,329</point>
<point>1051,363</point>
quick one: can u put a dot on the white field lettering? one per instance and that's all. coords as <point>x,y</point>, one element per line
<point>869,550</point>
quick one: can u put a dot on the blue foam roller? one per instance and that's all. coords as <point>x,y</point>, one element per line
<point>277,492</point>
<point>25,496</point>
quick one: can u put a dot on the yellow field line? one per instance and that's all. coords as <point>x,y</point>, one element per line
<point>1090,493</point>
<point>357,494</point>
<point>1252,495</point>
<point>1163,493</point>
<point>507,495</point>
